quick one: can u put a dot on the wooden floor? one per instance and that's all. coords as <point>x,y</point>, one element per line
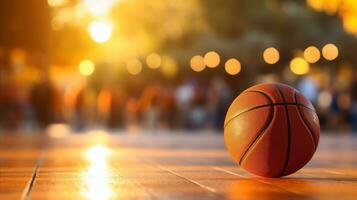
<point>104,166</point>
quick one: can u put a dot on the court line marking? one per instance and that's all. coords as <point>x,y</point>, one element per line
<point>264,182</point>
<point>183,177</point>
<point>190,180</point>
<point>333,172</point>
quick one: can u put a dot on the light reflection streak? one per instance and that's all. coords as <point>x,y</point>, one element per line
<point>97,179</point>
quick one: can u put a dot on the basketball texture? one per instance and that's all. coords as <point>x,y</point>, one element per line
<point>271,130</point>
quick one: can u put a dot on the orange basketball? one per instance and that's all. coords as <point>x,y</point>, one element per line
<point>271,130</point>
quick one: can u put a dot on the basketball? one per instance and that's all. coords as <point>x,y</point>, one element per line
<point>271,130</point>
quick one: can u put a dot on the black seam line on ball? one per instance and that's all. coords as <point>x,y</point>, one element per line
<point>261,132</point>
<point>266,105</point>
<point>304,121</point>
<point>289,132</point>
<point>284,103</point>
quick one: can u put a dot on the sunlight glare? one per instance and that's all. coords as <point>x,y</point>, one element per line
<point>100,31</point>
<point>99,7</point>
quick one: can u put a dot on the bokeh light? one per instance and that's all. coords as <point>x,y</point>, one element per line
<point>299,66</point>
<point>100,31</point>
<point>63,17</point>
<point>197,63</point>
<point>232,66</point>
<point>344,101</point>
<point>345,9</point>
<point>153,60</point>
<point>169,67</point>
<point>86,67</point>
<point>99,7</point>
<point>324,99</point>
<point>350,21</point>
<point>134,66</point>
<point>271,55</point>
<point>212,59</point>
<point>54,3</point>
<point>330,52</point>
<point>58,130</point>
<point>312,54</point>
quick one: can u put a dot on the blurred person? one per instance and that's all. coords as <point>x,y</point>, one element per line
<point>151,115</point>
<point>219,98</point>
<point>167,107</point>
<point>335,114</point>
<point>11,113</point>
<point>104,102</point>
<point>84,108</point>
<point>308,87</point>
<point>116,114</point>
<point>45,101</point>
<point>354,105</point>
<point>198,116</point>
<point>150,106</point>
<point>132,112</point>
<point>184,95</point>
<point>323,106</point>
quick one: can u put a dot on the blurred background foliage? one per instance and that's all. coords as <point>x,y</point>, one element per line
<point>111,43</point>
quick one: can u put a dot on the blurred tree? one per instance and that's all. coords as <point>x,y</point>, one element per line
<point>25,24</point>
<point>182,29</point>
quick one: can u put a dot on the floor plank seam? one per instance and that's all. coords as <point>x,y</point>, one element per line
<point>137,183</point>
<point>28,189</point>
<point>26,194</point>
<point>183,177</point>
<point>235,174</point>
<point>189,180</point>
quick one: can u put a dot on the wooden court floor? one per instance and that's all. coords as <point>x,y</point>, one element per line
<point>104,166</point>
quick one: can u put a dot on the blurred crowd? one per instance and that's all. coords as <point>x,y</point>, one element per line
<point>188,104</point>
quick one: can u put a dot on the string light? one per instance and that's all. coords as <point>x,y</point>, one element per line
<point>232,66</point>
<point>212,59</point>
<point>312,54</point>
<point>271,55</point>
<point>153,61</point>
<point>299,66</point>
<point>330,52</point>
<point>197,63</point>
<point>134,66</point>
<point>100,31</point>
